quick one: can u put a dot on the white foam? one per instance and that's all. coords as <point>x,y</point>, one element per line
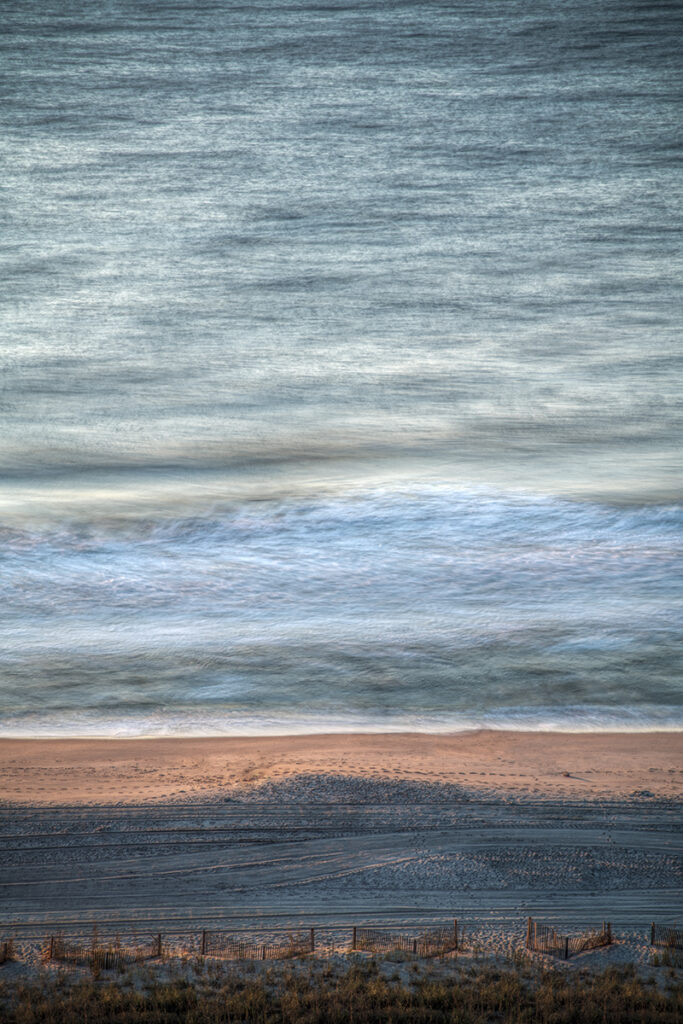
<point>587,719</point>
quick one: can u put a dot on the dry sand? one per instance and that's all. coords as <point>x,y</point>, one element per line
<point>177,835</point>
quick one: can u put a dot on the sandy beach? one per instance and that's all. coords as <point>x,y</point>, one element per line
<point>269,834</point>
<point>532,764</point>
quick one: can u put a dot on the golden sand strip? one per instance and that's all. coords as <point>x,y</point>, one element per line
<point>557,765</point>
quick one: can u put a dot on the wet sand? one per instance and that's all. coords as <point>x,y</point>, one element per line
<point>528,763</point>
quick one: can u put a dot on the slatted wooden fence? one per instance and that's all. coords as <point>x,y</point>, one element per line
<point>662,935</point>
<point>100,957</point>
<point>543,939</point>
<point>437,942</point>
<point>222,944</point>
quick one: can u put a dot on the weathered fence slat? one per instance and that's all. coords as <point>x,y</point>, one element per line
<point>543,939</point>
<point>6,951</point>
<point>100,957</point>
<point>222,944</point>
<point>433,943</point>
<point>662,935</point>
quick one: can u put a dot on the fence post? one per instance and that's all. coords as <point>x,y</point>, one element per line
<point>52,946</point>
<point>414,945</point>
<point>455,932</point>
<point>159,944</point>
<point>312,939</point>
<point>528,933</point>
<point>353,942</point>
<point>203,943</point>
<point>566,947</point>
<point>652,934</point>
<point>263,952</point>
<point>609,933</point>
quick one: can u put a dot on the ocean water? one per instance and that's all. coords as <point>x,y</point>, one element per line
<point>340,362</point>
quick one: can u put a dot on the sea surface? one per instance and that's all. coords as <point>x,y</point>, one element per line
<point>340,366</point>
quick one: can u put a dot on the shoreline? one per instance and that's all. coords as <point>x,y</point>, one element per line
<point>509,763</point>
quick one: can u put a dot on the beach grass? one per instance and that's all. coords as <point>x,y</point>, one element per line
<point>361,994</point>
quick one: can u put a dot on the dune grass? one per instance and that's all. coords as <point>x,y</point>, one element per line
<point>360,995</point>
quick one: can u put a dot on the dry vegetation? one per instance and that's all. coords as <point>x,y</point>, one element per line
<point>361,994</point>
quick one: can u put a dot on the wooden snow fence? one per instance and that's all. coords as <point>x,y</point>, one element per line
<point>222,944</point>
<point>541,938</point>
<point>436,942</point>
<point>99,956</point>
<point>662,935</point>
